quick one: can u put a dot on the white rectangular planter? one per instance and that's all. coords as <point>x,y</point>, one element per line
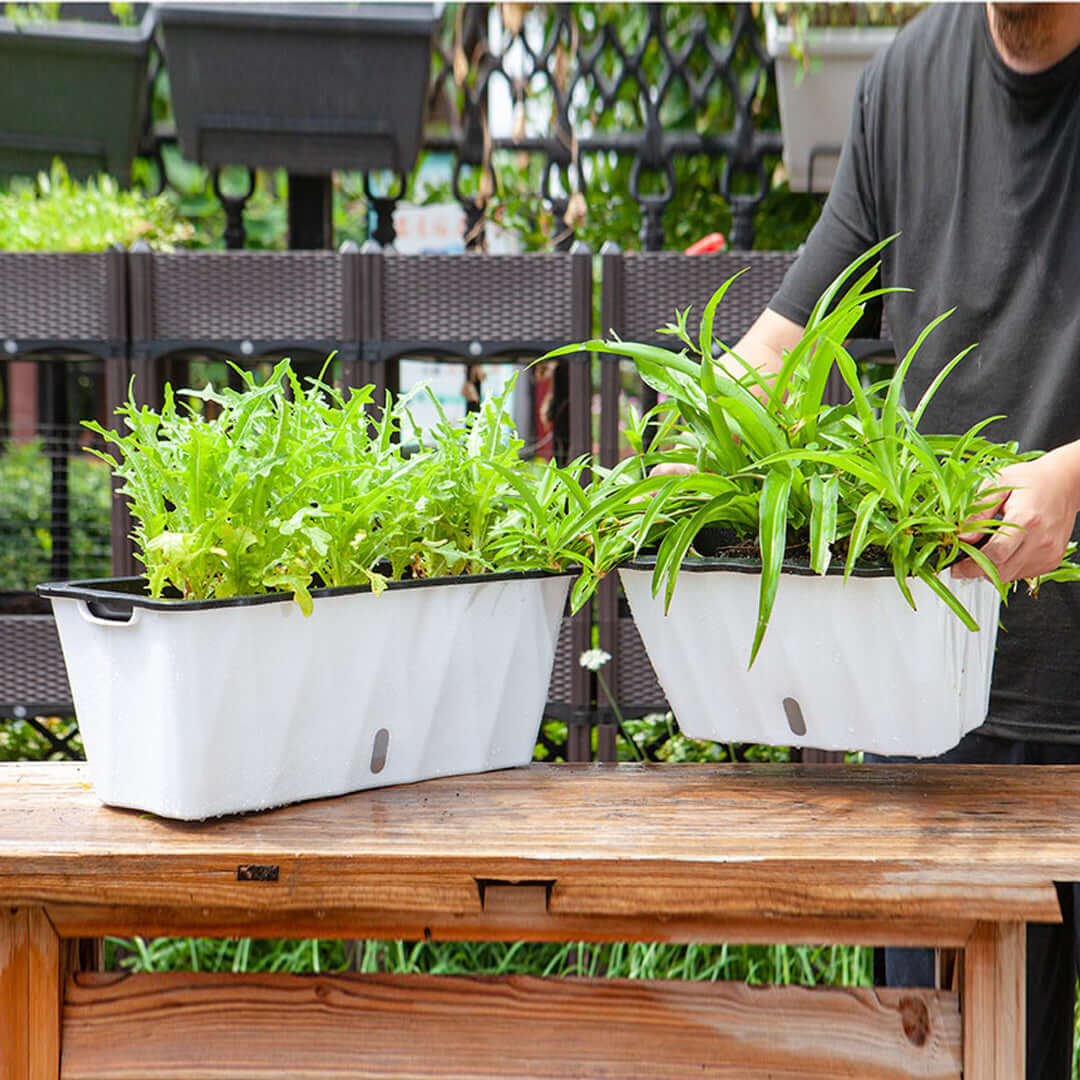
<point>191,710</point>
<point>815,111</point>
<point>841,667</point>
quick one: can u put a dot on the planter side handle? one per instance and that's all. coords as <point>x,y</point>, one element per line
<point>112,613</point>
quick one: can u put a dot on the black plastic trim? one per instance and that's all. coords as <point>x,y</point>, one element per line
<point>753,566</point>
<point>115,597</point>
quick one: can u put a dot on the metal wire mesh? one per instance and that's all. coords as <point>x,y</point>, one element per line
<point>55,502</point>
<point>55,498</point>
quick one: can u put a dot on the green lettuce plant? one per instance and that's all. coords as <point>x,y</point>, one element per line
<point>288,487</point>
<point>780,472</point>
<point>56,213</point>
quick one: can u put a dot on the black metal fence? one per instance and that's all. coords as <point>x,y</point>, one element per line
<point>555,105</point>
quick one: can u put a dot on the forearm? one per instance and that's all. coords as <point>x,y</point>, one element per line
<point>764,344</point>
<point>1065,462</point>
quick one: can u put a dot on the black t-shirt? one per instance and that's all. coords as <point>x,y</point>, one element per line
<point>978,168</point>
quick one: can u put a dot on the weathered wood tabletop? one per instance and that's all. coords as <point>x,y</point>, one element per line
<point>924,854</point>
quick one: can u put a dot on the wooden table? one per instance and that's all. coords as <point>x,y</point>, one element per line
<point>930,855</point>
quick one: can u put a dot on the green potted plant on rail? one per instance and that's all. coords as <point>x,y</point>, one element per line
<point>324,609</point>
<point>828,529</point>
<point>73,87</point>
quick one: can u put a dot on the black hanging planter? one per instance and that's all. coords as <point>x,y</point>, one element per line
<point>74,90</point>
<point>310,87</point>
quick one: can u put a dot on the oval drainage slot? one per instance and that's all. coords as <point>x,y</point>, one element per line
<point>794,715</point>
<point>378,751</point>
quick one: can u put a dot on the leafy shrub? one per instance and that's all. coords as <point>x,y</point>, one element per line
<point>44,738</point>
<point>55,213</point>
<point>287,487</point>
<point>27,14</point>
<point>25,516</point>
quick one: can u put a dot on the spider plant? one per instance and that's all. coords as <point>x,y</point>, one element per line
<point>284,486</point>
<point>776,467</point>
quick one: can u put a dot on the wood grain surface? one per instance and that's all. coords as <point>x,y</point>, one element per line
<point>185,1027</point>
<point>682,842</point>
<point>14,993</point>
<point>994,986</point>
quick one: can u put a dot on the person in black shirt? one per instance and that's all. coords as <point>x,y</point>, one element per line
<point>965,140</point>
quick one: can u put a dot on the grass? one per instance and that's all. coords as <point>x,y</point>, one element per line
<point>801,965</point>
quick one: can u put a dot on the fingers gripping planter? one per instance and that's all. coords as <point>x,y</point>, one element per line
<point>195,709</point>
<point>843,666</point>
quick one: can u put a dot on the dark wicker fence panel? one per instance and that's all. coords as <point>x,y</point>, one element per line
<point>59,300</point>
<point>650,286</point>
<point>240,302</point>
<point>526,301</point>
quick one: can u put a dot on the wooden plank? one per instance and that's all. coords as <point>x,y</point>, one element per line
<point>657,889</point>
<point>777,889</point>
<point>14,994</point>
<point>784,841</point>
<point>924,814</point>
<point>184,1027</point>
<point>125,921</point>
<point>994,1002</point>
<point>31,982</point>
<point>46,975</point>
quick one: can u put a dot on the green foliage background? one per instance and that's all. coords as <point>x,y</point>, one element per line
<point>25,543</point>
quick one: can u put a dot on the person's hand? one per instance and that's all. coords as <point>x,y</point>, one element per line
<point>1043,504</point>
<point>672,468</point>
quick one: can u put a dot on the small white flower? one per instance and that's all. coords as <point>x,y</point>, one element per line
<point>594,659</point>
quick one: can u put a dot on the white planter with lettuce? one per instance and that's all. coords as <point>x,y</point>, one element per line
<point>196,709</point>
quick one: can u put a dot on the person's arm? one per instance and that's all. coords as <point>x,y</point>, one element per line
<point>847,227</point>
<point>1043,502</point>
<point>765,343</point>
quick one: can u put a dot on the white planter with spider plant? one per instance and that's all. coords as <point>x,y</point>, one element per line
<point>870,644</point>
<point>322,612</point>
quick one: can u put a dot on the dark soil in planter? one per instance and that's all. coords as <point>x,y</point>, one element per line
<point>724,543</point>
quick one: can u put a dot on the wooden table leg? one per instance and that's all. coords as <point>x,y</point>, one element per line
<point>993,1002</point>
<point>32,970</point>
